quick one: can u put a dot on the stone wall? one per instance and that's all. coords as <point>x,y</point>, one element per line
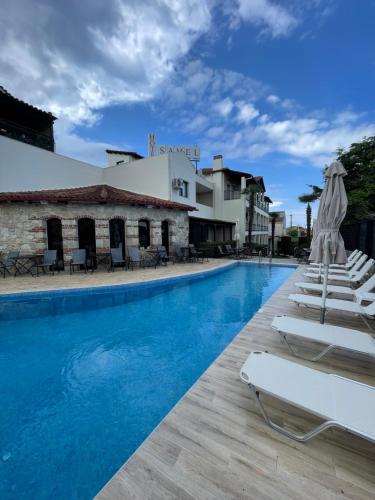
<point>24,226</point>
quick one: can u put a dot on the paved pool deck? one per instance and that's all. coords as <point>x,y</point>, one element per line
<point>214,444</point>
<point>28,283</point>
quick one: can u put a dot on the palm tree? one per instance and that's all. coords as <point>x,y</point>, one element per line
<point>273,217</point>
<point>250,191</point>
<point>310,198</point>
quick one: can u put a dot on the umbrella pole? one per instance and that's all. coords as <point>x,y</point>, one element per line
<point>324,294</point>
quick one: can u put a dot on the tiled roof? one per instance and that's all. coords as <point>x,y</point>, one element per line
<point>3,91</point>
<point>101,193</point>
<point>130,153</point>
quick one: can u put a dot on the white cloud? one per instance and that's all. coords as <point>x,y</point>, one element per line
<point>72,145</point>
<point>74,59</point>
<point>276,204</point>
<point>273,99</point>
<point>246,112</point>
<point>224,107</point>
<point>270,16</point>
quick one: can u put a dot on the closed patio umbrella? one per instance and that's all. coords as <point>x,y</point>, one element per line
<point>328,246</point>
<point>237,234</point>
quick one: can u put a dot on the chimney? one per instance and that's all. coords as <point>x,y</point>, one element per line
<point>218,162</point>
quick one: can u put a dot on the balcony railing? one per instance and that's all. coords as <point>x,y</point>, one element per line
<point>27,135</point>
<point>262,205</point>
<point>259,227</point>
<point>232,194</point>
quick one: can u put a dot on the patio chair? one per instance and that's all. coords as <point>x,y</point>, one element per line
<point>333,337</point>
<point>47,264</point>
<point>117,258</point>
<point>363,291</point>
<point>343,403</point>
<point>346,267</point>
<point>162,254</point>
<point>365,312</point>
<point>222,251</point>
<point>352,279</point>
<point>178,256</point>
<point>229,250</point>
<point>357,266</point>
<point>195,254</point>
<point>78,260</point>
<point>9,263</point>
<point>135,257</point>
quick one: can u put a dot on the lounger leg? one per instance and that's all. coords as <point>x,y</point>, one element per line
<point>297,437</point>
<point>319,356</point>
<point>364,319</point>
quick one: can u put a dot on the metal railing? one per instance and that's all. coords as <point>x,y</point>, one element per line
<point>27,135</point>
<point>232,194</point>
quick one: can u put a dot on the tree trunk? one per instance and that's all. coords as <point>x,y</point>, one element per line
<point>273,224</point>
<point>308,223</point>
<point>251,218</point>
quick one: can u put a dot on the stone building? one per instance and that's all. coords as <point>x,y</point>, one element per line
<point>95,218</point>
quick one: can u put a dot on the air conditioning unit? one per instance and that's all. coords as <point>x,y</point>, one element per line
<point>177,183</point>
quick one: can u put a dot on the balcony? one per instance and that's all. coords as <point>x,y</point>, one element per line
<point>27,135</point>
<point>260,227</point>
<point>262,205</point>
<point>232,194</point>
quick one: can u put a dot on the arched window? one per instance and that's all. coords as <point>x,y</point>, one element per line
<point>144,233</point>
<point>86,235</point>
<point>117,234</point>
<point>55,239</point>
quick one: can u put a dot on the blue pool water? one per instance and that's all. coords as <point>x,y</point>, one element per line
<point>86,375</point>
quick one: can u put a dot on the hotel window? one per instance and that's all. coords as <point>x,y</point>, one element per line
<point>184,190</point>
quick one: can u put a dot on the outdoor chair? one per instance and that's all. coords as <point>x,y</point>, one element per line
<point>78,260</point>
<point>117,258</point>
<point>229,249</point>
<point>9,263</point>
<point>346,267</point>
<point>162,254</point>
<point>195,254</point>
<point>356,308</point>
<point>361,292</point>
<point>178,256</point>
<point>333,337</point>
<point>221,251</point>
<point>343,403</point>
<point>135,257</point>
<point>352,278</point>
<point>343,272</point>
<point>48,263</point>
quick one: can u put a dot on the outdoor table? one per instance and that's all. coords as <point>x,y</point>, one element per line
<point>24,263</point>
<point>100,258</point>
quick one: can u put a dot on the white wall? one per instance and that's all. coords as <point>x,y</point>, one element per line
<point>26,168</point>
<point>181,167</point>
<point>147,176</point>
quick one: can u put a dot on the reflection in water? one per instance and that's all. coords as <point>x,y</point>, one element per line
<point>87,376</point>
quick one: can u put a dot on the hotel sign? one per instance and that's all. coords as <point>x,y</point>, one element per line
<point>192,152</point>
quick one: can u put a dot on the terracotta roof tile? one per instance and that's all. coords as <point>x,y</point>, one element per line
<point>101,193</point>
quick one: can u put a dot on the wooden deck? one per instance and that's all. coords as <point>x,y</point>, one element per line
<point>215,445</point>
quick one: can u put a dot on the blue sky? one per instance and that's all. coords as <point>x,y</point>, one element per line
<point>273,85</point>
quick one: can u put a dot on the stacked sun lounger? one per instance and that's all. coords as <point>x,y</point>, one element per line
<point>339,401</point>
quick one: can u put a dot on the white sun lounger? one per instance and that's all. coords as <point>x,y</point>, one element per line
<point>333,337</point>
<point>357,266</point>
<point>341,402</point>
<point>350,263</point>
<point>353,278</point>
<point>337,305</point>
<point>362,292</point>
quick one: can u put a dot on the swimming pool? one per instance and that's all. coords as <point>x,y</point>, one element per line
<point>87,374</point>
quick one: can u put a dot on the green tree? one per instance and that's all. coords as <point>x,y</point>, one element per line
<point>359,163</point>
<point>308,198</point>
